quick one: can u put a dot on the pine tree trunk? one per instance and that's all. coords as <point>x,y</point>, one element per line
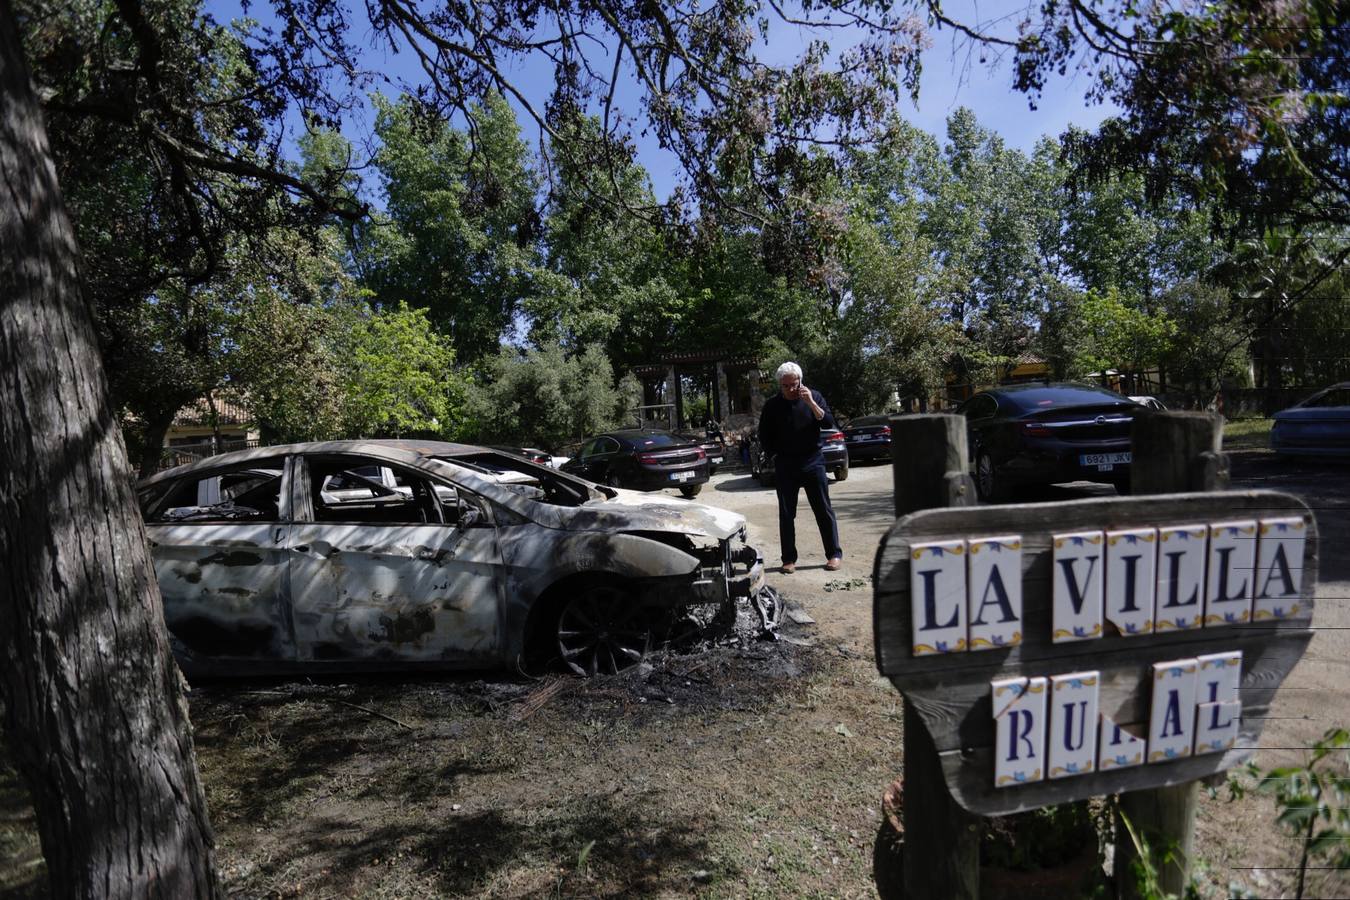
<point>93,702</point>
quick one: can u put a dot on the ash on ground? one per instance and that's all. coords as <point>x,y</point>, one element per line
<point>737,668</point>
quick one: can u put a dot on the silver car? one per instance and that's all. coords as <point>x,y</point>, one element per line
<point>389,554</point>
<point>1317,426</point>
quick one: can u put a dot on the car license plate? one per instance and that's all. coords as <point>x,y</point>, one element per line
<point>681,476</point>
<point>1104,462</point>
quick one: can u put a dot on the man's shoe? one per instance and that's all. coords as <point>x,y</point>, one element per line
<point>788,568</point>
<point>834,564</point>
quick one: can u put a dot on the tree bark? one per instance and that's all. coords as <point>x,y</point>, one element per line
<point>93,703</point>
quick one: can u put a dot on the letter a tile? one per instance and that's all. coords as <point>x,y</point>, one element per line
<point>1073,723</point>
<point>1181,576</point>
<point>1171,721</point>
<point>995,584</point>
<point>1131,576</point>
<point>1077,586</point>
<point>1228,592</point>
<point>1019,746</point>
<point>1279,568</point>
<point>937,580</point>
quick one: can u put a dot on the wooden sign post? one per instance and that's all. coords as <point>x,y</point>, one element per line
<point>1058,651</point>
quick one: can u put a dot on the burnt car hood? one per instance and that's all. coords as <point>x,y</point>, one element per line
<point>638,511</point>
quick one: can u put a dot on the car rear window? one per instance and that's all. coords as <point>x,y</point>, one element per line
<point>1053,397</point>
<point>656,439</point>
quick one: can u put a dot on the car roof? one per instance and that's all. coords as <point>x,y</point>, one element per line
<point>1022,394</point>
<point>390,450</point>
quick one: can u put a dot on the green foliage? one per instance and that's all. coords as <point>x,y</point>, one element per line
<point>400,379</point>
<point>545,397</point>
<point>1147,881</point>
<point>458,235</point>
<point>1041,838</point>
<point>1111,333</point>
<point>1313,800</point>
<point>1210,343</point>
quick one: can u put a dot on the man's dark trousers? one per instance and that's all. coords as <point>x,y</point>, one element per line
<point>790,474</point>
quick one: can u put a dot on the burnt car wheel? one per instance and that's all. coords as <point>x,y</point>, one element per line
<point>691,490</point>
<point>602,631</point>
<point>841,473</point>
<point>987,483</point>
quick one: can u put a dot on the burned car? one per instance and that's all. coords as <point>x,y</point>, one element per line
<point>388,554</point>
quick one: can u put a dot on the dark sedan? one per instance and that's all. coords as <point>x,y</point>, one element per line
<point>1318,426</point>
<point>712,447</point>
<point>832,445</point>
<point>868,437</point>
<point>643,460</point>
<point>1040,434</point>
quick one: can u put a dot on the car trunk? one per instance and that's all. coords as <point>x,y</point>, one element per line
<point>1085,424</point>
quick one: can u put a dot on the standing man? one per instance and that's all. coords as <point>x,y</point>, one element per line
<point>789,428</point>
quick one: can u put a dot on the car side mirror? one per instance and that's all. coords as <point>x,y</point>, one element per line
<point>469,516</point>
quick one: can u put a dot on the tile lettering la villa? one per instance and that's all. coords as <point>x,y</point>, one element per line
<point>1069,650</point>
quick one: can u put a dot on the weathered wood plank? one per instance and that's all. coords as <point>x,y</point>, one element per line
<point>959,714</point>
<point>942,847</point>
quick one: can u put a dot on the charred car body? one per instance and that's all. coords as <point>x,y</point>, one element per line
<point>387,554</point>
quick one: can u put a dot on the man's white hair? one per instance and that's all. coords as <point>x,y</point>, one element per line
<point>788,368</point>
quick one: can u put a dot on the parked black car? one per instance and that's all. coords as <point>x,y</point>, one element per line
<point>1038,434</point>
<point>868,437</point>
<point>712,446</point>
<point>836,456</point>
<point>643,460</point>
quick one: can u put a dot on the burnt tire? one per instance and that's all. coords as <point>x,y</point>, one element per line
<point>691,490</point>
<point>602,630</point>
<point>841,473</point>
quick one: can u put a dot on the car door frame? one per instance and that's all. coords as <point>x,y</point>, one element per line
<point>450,583</point>
<point>200,590</point>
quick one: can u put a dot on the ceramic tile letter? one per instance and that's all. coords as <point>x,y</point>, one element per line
<point>1228,592</point>
<point>1019,745</point>
<point>1181,576</point>
<point>1216,726</point>
<point>1279,568</point>
<point>1218,711</point>
<point>1120,746</point>
<point>1131,576</point>
<point>937,579</point>
<point>1077,586</point>
<point>1171,720</point>
<point>994,577</point>
<point>1073,723</point>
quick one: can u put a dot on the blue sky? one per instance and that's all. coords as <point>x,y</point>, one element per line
<point>952,77</point>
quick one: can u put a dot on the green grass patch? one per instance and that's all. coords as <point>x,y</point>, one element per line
<point>1247,434</point>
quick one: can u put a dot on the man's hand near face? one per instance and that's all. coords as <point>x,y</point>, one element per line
<point>804,393</point>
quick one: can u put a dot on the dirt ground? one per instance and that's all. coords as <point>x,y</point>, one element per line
<point>748,770</point>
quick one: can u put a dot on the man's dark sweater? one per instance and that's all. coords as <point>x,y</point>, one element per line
<point>789,428</point>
